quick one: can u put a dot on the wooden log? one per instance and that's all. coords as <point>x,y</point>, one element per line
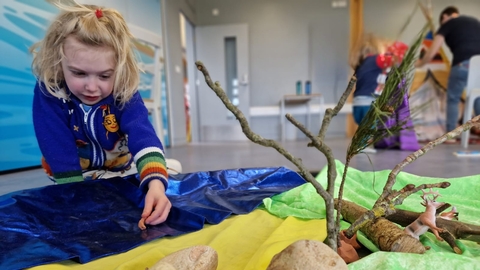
<point>386,235</point>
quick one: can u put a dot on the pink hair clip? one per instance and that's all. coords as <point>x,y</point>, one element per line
<point>98,13</point>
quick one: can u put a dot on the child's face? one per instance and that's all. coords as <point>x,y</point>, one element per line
<point>89,71</point>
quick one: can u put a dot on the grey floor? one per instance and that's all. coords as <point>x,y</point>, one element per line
<point>439,162</point>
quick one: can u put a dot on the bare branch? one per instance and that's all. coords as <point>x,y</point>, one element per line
<point>332,227</point>
<point>332,230</point>
<point>415,155</point>
<point>252,135</point>
<point>330,113</point>
<point>327,151</point>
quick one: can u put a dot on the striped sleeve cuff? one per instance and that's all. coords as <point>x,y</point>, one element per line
<point>151,166</point>
<point>68,177</point>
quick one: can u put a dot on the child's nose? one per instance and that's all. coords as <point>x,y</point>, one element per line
<point>91,84</point>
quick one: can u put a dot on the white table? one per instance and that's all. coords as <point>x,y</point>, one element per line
<point>290,100</point>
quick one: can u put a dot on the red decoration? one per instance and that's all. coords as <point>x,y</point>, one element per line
<point>384,60</point>
<point>398,49</point>
<point>98,13</point>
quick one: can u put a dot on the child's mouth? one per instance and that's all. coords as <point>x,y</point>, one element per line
<point>91,98</point>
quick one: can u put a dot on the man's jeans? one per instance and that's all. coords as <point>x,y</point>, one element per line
<point>456,84</point>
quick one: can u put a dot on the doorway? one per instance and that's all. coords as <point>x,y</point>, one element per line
<point>223,49</point>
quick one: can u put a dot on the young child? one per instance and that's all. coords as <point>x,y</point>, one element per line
<point>87,112</point>
<point>368,62</point>
<point>372,62</point>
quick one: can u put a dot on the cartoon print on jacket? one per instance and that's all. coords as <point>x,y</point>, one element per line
<point>83,149</point>
<point>118,156</point>
<point>109,120</point>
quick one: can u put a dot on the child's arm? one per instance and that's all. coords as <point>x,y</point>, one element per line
<point>148,154</point>
<point>143,142</point>
<point>54,136</point>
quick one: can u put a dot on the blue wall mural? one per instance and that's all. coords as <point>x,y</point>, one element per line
<point>22,23</point>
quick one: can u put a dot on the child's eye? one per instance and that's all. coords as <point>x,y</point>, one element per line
<point>105,77</point>
<point>78,73</point>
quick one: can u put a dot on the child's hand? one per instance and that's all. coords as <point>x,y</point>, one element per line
<point>157,205</point>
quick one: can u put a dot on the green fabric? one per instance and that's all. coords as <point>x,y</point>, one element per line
<point>364,188</point>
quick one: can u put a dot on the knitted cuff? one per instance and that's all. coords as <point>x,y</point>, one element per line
<point>61,179</point>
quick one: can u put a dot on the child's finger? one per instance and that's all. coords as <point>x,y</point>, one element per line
<point>163,216</point>
<point>159,215</point>
<point>148,208</point>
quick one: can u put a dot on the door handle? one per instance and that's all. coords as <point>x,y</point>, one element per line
<point>244,80</point>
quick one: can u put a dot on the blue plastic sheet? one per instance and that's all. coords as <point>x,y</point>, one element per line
<point>87,220</point>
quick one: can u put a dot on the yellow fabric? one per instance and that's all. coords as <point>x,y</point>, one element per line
<point>242,242</point>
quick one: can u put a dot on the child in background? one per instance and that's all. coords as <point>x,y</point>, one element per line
<point>87,112</point>
<point>373,60</point>
<point>368,62</point>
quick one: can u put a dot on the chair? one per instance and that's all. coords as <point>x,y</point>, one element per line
<point>473,92</point>
<point>153,103</point>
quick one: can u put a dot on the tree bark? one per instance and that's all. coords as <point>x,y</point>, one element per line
<point>386,235</point>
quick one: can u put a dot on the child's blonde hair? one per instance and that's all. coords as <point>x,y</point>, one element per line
<point>94,26</point>
<point>369,44</point>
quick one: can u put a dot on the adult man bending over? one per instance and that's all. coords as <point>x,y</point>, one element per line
<point>462,35</point>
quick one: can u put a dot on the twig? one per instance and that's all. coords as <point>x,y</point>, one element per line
<point>327,151</point>
<point>332,230</point>
<point>332,227</point>
<point>330,113</point>
<point>252,135</point>
<point>415,155</point>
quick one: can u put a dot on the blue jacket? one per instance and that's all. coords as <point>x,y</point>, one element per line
<point>74,137</point>
<point>367,76</point>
